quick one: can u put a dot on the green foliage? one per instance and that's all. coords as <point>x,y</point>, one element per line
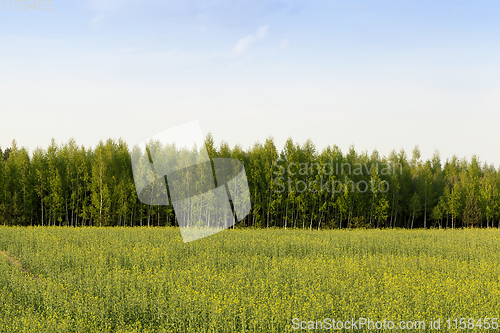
<point>472,212</point>
<point>297,187</point>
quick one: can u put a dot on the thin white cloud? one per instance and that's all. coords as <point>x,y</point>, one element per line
<point>284,44</point>
<point>97,21</point>
<point>244,43</point>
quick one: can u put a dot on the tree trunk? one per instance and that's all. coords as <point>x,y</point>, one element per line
<point>41,201</point>
<point>412,218</point>
<point>286,214</point>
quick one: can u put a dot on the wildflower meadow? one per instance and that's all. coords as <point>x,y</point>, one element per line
<point>63,279</point>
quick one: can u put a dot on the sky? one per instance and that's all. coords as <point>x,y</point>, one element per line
<point>378,75</point>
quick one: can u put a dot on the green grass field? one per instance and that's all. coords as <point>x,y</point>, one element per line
<point>147,280</point>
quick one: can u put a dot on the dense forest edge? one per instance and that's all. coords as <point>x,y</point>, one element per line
<point>298,187</point>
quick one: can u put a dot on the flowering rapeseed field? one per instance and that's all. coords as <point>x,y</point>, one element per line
<point>147,280</point>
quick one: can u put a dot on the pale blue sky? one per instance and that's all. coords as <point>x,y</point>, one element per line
<point>377,74</point>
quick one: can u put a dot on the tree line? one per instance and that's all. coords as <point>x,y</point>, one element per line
<point>297,187</point>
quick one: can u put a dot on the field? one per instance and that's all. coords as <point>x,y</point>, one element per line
<point>243,280</point>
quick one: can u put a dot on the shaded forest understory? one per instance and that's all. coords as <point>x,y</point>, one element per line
<point>298,187</point>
